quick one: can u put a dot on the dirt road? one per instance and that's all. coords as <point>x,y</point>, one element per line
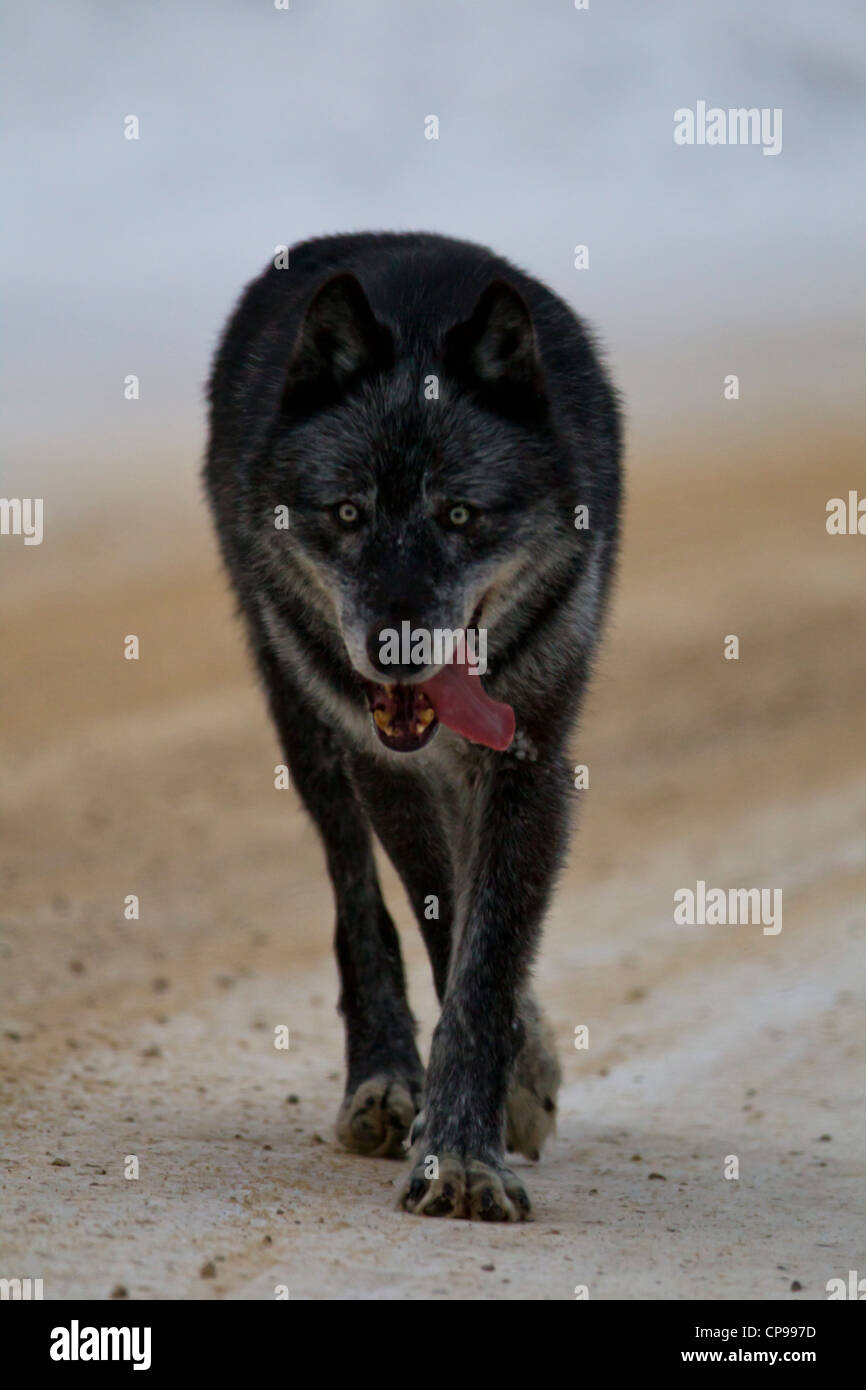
<point>153,1038</point>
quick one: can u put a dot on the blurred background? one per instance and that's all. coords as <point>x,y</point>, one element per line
<point>260,127</point>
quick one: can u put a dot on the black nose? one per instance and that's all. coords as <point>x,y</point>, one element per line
<point>389,650</point>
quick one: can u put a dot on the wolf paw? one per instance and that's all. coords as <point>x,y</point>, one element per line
<point>531,1107</point>
<point>464,1187</point>
<point>376,1117</point>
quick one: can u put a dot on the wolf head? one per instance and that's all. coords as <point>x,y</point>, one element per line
<point>420,466</point>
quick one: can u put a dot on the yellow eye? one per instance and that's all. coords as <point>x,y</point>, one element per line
<point>348,513</point>
<point>459,515</point>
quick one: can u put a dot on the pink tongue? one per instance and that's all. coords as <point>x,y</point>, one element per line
<point>462,704</point>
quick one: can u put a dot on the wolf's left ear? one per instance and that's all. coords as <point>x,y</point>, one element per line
<point>496,346</point>
<point>339,340</point>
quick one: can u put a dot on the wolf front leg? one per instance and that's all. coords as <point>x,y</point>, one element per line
<point>519,829</point>
<point>385,1078</point>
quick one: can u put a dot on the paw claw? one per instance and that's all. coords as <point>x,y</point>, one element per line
<point>479,1191</point>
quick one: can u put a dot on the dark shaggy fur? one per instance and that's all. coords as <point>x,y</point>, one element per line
<point>322,403</point>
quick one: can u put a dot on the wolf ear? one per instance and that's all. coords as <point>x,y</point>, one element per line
<point>339,339</point>
<point>496,347</point>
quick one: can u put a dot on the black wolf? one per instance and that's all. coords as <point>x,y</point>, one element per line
<point>407,431</point>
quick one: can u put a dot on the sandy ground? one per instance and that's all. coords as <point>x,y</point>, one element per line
<point>155,1038</point>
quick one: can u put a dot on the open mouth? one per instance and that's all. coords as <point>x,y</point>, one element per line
<point>403,716</point>
<point>406,717</point>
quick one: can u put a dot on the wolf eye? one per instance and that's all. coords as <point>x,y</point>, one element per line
<point>459,515</point>
<point>348,514</point>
